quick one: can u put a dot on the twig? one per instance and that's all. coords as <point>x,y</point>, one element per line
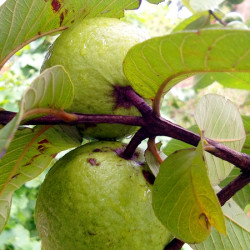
<point>139,136</point>
<point>216,18</point>
<point>233,187</point>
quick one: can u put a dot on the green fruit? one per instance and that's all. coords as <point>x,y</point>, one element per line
<point>232,16</point>
<point>237,25</point>
<point>93,199</point>
<point>92,52</point>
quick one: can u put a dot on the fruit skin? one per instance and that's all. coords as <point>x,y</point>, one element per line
<point>92,52</point>
<point>94,199</point>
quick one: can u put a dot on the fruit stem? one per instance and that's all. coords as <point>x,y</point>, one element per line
<point>139,136</point>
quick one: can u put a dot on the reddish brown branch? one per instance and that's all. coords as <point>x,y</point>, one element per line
<point>233,187</point>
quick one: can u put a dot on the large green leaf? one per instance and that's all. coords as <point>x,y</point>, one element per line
<point>52,89</point>
<point>220,120</point>
<point>238,231</point>
<point>172,58</point>
<point>183,198</point>
<point>242,197</point>
<point>23,21</point>
<point>29,154</point>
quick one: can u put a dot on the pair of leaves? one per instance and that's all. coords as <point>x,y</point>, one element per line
<point>183,198</point>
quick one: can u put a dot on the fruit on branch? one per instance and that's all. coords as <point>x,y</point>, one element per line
<point>92,52</point>
<point>94,199</point>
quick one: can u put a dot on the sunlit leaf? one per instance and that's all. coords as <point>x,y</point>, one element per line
<point>52,89</point>
<point>28,155</point>
<point>175,57</point>
<point>22,21</point>
<point>183,198</point>
<point>198,5</point>
<point>238,231</point>
<point>220,120</point>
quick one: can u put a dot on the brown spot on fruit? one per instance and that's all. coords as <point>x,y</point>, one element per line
<point>56,5</point>
<point>61,18</point>
<point>121,101</point>
<point>93,162</point>
<point>97,150</point>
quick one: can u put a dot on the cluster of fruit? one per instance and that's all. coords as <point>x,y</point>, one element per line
<point>92,198</point>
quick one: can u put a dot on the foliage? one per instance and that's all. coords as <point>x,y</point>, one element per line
<point>199,46</point>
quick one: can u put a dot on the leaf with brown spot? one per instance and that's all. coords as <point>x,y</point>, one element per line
<point>23,21</point>
<point>27,157</point>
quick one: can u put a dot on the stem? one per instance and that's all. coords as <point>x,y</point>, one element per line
<point>216,18</point>
<point>138,102</point>
<point>6,117</point>
<point>234,186</point>
<point>175,244</point>
<point>139,136</point>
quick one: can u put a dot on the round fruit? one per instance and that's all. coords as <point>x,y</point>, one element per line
<point>237,25</point>
<point>94,199</point>
<point>92,52</point>
<point>233,16</point>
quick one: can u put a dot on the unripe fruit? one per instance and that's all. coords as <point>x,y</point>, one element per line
<point>232,16</point>
<point>94,199</point>
<point>92,52</point>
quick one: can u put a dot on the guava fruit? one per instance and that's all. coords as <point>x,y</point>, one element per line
<point>233,16</point>
<point>92,52</point>
<point>94,199</point>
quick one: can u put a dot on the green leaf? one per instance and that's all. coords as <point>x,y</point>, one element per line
<point>228,80</point>
<point>183,198</point>
<point>175,57</point>
<point>52,89</point>
<point>198,5</point>
<point>197,21</point>
<point>238,231</point>
<point>29,154</point>
<point>155,1</point>
<point>23,21</point>
<point>246,122</point>
<point>220,120</point>
<point>242,197</point>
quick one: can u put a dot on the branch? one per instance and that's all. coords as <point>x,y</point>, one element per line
<point>153,126</point>
<point>6,116</point>
<point>224,195</point>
